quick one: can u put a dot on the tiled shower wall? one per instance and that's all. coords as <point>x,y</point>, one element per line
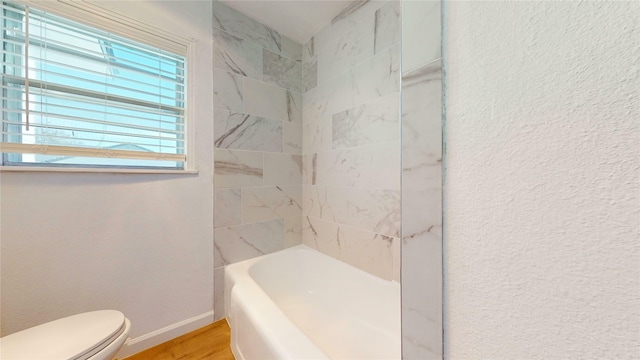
<point>258,141</point>
<point>351,138</point>
<point>349,159</point>
<point>421,181</point>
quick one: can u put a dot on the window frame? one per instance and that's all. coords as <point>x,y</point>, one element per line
<point>93,15</point>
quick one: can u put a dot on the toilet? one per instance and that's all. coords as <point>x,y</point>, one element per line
<point>95,335</point>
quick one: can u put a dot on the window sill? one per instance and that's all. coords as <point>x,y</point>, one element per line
<point>95,170</point>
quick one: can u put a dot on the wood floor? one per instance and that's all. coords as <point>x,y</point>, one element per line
<point>209,342</point>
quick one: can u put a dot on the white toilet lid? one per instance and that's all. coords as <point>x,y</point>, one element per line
<point>74,337</point>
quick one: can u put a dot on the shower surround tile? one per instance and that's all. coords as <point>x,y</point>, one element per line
<point>310,74</point>
<point>271,202</point>
<point>282,169</point>
<point>292,231</point>
<point>328,98</point>
<point>242,242</point>
<point>258,141</point>
<point>422,303</point>
<point>377,76</point>
<point>387,166</point>
<point>316,135</point>
<point>234,169</point>
<point>308,50</point>
<point>422,212</point>
<point>262,99</point>
<point>351,138</point>
<point>425,216</point>
<point>279,70</point>
<point>272,102</point>
<point>371,166</point>
<point>351,14</point>
<point>294,107</point>
<point>387,26</point>
<point>292,138</point>
<point>246,132</point>
<point>309,169</point>
<point>422,150</point>
<point>338,138</point>
<point>291,49</point>
<point>375,210</point>
<point>233,54</point>
<point>346,50</point>
<point>230,20</point>
<point>346,20</point>
<point>321,235</point>
<point>422,127</point>
<point>397,260</point>
<point>228,208</point>
<point>373,122</point>
<point>420,33</point>
<point>347,167</point>
<point>365,250</point>
<point>227,90</point>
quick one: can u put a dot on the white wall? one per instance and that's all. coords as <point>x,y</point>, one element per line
<point>542,250</point>
<point>142,244</point>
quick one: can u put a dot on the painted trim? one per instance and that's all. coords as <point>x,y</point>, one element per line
<point>157,337</point>
<point>56,169</point>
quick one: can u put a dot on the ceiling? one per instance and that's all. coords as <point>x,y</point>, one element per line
<point>296,19</point>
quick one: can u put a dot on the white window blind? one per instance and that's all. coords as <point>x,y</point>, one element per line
<point>73,95</point>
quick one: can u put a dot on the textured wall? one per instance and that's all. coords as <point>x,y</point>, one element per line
<point>258,141</point>
<point>351,138</point>
<point>542,257</point>
<point>74,242</point>
<point>421,181</point>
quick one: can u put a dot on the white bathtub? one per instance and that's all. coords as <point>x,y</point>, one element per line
<point>301,304</point>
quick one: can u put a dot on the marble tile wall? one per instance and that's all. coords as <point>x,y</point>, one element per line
<point>258,142</point>
<point>351,138</point>
<point>421,181</point>
<point>308,148</point>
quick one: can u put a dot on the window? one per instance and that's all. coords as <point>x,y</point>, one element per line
<point>78,96</point>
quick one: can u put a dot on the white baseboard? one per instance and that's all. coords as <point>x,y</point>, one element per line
<point>157,337</point>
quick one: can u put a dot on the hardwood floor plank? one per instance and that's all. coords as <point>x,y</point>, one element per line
<point>209,342</point>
